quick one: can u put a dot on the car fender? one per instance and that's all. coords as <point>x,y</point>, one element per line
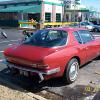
<point>61,58</point>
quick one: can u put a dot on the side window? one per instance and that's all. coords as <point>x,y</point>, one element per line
<point>57,34</point>
<point>64,37</point>
<point>85,35</point>
<point>64,34</point>
<point>86,23</point>
<point>77,37</point>
<point>82,24</point>
<point>54,35</point>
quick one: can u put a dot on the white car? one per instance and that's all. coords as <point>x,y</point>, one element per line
<point>90,26</point>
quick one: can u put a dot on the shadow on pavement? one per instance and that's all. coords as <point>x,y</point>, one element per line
<point>97,96</point>
<point>9,81</point>
<point>98,58</point>
<point>78,92</point>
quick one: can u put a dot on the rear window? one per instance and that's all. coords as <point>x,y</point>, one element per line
<point>48,38</point>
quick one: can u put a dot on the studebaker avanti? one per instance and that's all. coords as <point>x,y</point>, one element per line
<point>53,52</point>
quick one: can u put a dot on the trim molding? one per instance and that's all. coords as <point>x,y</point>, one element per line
<point>52,3</point>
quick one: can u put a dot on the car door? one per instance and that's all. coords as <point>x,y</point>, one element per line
<point>81,48</point>
<point>90,44</point>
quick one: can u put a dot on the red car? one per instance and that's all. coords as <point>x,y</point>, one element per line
<point>55,52</point>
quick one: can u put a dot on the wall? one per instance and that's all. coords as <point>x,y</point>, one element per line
<point>53,7</point>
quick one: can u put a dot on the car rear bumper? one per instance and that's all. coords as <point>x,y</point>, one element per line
<point>41,74</point>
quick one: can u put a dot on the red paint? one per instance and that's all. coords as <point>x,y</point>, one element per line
<point>54,57</point>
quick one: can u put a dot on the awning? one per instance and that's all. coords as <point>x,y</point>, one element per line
<point>23,9</point>
<point>78,10</point>
<point>84,10</point>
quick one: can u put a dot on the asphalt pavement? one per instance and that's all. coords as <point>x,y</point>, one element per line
<point>87,86</point>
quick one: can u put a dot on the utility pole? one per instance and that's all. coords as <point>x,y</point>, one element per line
<point>66,6</point>
<point>76,3</point>
<point>98,18</point>
<point>74,11</point>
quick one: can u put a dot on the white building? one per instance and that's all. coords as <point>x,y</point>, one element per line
<point>52,10</point>
<point>45,10</point>
<point>74,11</point>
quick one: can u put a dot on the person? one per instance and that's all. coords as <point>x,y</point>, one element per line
<point>33,22</point>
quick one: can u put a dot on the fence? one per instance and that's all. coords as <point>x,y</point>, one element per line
<point>34,26</point>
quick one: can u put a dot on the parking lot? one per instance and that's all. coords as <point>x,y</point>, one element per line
<point>87,86</point>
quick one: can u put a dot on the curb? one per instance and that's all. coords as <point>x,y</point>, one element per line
<point>30,94</point>
<point>35,96</point>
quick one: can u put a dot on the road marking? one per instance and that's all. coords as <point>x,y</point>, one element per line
<point>1,51</point>
<point>97,35</point>
<point>9,41</point>
<point>1,60</point>
<point>90,97</point>
<point>14,40</point>
<point>10,44</point>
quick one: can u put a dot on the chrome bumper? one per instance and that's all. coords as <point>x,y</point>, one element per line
<point>40,73</point>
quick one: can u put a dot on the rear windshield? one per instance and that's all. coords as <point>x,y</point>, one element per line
<point>47,38</point>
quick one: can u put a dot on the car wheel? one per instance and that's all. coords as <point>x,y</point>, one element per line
<point>13,71</point>
<point>71,71</point>
<point>95,30</point>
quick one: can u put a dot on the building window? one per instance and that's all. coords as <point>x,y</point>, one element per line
<point>67,6</point>
<point>58,17</point>
<point>48,17</point>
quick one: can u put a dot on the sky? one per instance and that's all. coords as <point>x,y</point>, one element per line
<point>4,0</point>
<point>89,3</point>
<point>92,3</point>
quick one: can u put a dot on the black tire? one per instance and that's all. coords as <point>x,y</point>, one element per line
<point>13,71</point>
<point>66,77</point>
<point>96,30</point>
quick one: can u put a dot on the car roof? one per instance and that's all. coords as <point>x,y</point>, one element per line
<point>68,28</point>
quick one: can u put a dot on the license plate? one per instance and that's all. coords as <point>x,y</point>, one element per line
<point>11,65</point>
<point>22,72</point>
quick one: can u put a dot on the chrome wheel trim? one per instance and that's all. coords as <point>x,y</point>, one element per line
<point>96,30</point>
<point>73,72</point>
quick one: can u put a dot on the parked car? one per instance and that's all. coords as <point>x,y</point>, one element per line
<point>74,25</point>
<point>90,26</point>
<point>54,52</point>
